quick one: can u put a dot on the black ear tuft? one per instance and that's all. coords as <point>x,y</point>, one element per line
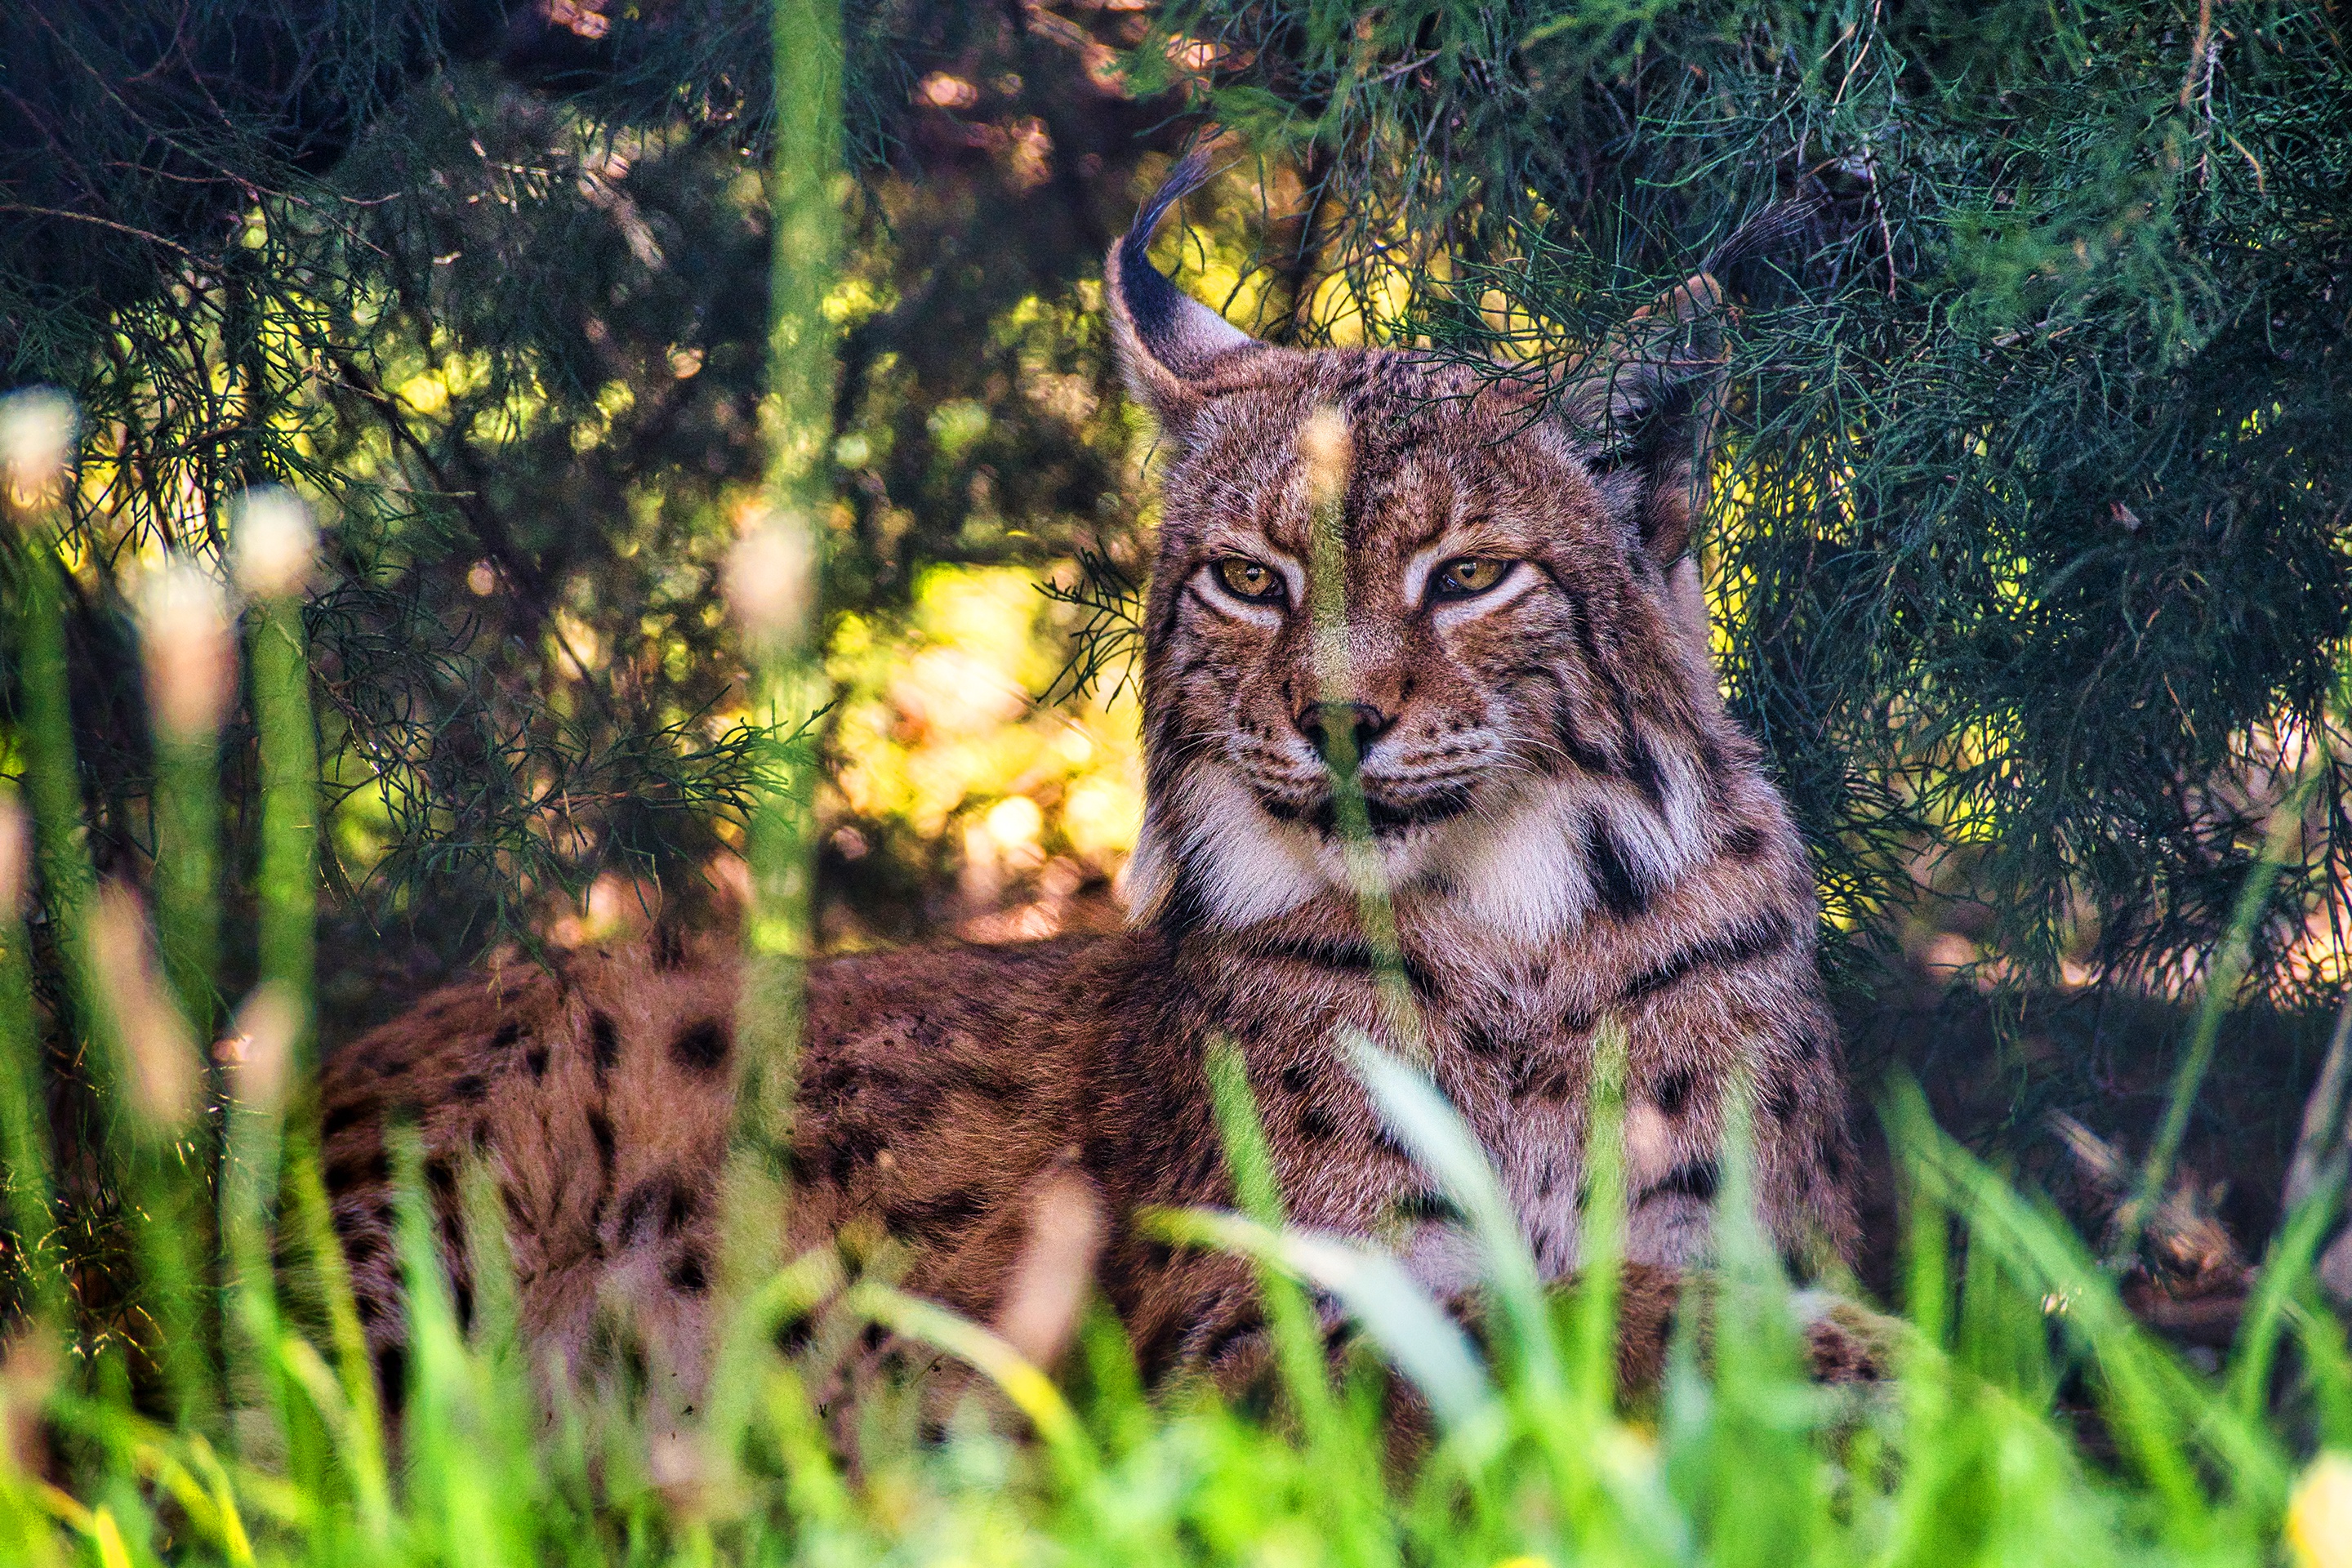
<point>1165,338</point>
<point>1154,304</point>
<point>1645,406</point>
<point>1782,235</point>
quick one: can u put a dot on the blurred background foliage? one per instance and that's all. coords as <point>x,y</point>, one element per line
<point>2029,555</point>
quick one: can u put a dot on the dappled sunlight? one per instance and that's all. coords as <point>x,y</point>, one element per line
<point>1020,814</point>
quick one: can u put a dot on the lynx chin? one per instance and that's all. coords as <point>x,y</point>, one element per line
<point>1578,839</point>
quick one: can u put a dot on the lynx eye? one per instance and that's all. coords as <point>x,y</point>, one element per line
<point>1459,579</point>
<point>1247,579</point>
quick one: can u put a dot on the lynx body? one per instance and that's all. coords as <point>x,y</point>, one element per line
<point>1574,829</point>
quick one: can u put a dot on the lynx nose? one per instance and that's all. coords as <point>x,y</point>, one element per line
<point>1325,723</point>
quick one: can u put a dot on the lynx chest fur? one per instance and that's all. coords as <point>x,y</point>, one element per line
<point>1507,650</point>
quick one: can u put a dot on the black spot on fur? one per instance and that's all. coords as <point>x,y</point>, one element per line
<point>1224,1340</point>
<point>604,1042</point>
<point>1481,1041</point>
<point>461,1291</point>
<point>469,1089</point>
<point>933,1216</point>
<point>1697,1179</point>
<point>795,1337</point>
<point>665,1198</point>
<point>536,1060</point>
<point>600,1128</point>
<point>347,1114</point>
<point>1315,1124</point>
<point>370,1168</point>
<point>392,1373</point>
<point>1556,1079</point>
<point>440,1176</point>
<point>690,1273</point>
<point>638,1204</point>
<point>1296,1078</point>
<point>1428,1205</point>
<point>1185,909</point>
<point>1744,842</point>
<point>1780,1100</point>
<point>1621,890</point>
<point>513,1201</point>
<point>990,1084</point>
<point>1647,775</point>
<point>509,1033</point>
<point>1739,944</point>
<point>1832,1159</point>
<point>1352,956</point>
<point>1673,1092</point>
<point>1577,747</point>
<point>700,1046</point>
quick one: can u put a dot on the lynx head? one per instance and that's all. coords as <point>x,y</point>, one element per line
<point>1516,654</point>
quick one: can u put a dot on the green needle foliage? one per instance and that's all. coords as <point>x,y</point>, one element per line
<point>489,290</point>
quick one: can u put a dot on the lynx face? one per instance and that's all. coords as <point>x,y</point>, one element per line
<point>1523,638</point>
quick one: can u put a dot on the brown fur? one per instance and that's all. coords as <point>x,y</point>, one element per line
<point>1576,832</point>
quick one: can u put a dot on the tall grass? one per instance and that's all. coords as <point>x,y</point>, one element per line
<point>2027,1419</point>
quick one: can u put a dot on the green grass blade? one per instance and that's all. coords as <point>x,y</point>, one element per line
<point>23,1092</point>
<point>1446,1148</point>
<point>276,544</point>
<point>1415,1334</point>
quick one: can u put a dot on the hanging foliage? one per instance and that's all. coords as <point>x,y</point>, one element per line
<point>2030,551</point>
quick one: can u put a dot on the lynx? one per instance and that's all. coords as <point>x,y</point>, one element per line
<point>1575,833</point>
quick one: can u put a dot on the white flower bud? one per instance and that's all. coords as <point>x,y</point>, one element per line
<point>1055,1270</point>
<point>185,643</point>
<point>38,428</point>
<point>15,857</point>
<point>771,580</point>
<point>276,543</point>
<point>259,1050</point>
<point>160,1063</point>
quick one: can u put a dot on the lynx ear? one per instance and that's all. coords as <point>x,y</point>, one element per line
<point>1165,339</point>
<point>1644,404</point>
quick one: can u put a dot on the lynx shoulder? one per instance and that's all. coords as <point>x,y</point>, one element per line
<point>1576,833</point>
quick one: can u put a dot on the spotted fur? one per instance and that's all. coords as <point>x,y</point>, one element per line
<point>1576,832</point>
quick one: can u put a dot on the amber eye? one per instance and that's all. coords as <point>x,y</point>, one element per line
<point>1470,574</point>
<point>1248,579</point>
